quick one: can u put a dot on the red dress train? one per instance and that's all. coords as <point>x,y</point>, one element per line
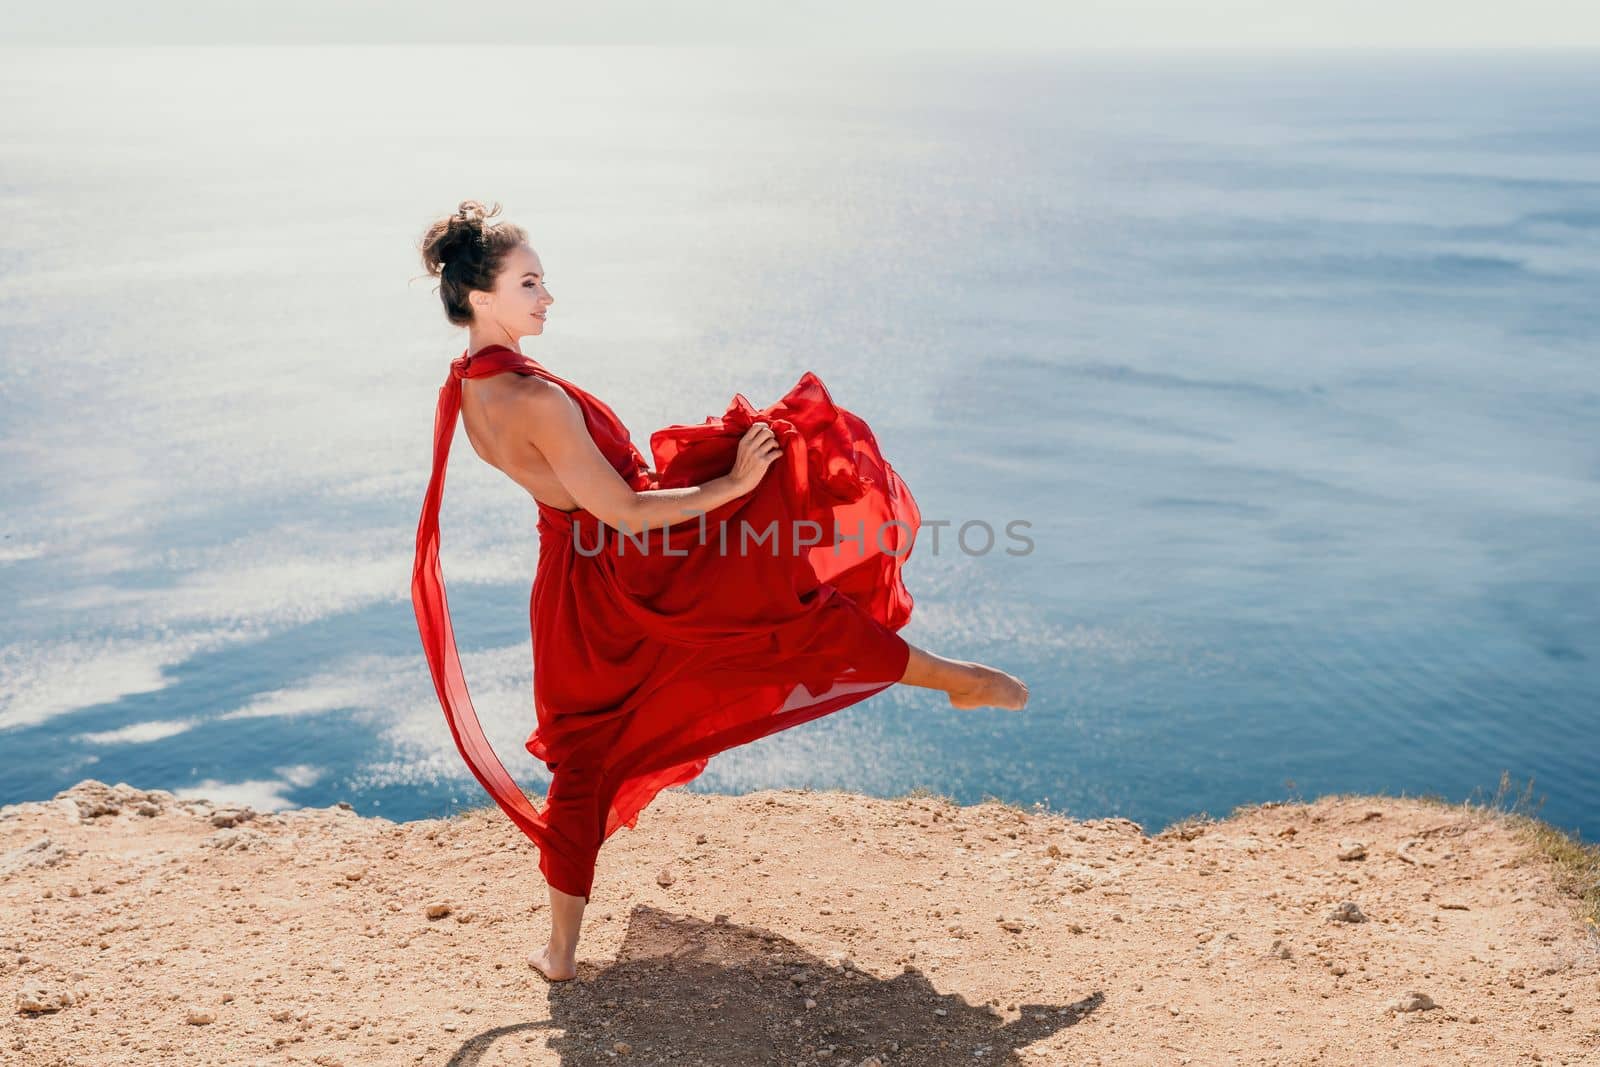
<point>655,651</point>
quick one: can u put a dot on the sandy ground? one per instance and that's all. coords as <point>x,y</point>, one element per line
<point>789,927</point>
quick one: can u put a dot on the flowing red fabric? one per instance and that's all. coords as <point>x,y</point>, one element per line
<point>654,651</point>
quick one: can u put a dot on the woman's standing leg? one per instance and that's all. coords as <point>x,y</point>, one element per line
<point>576,806</point>
<point>558,960</point>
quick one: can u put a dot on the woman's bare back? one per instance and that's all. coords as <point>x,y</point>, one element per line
<point>500,442</point>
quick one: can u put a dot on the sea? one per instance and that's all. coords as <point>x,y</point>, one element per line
<point>1273,377</point>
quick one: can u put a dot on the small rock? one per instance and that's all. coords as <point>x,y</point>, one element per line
<point>40,854</point>
<point>1414,1002</point>
<point>438,911</point>
<point>200,1017</point>
<point>665,878</point>
<point>1403,850</point>
<point>1278,950</point>
<point>699,839</point>
<point>1352,850</point>
<point>93,798</point>
<point>241,839</point>
<point>36,1000</point>
<point>1012,926</point>
<point>622,1047</point>
<point>1347,912</point>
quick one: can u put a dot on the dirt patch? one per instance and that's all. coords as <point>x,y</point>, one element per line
<point>797,927</point>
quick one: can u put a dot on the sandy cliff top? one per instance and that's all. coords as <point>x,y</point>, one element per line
<point>791,927</point>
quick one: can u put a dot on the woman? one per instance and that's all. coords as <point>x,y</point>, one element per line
<point>748,585</point>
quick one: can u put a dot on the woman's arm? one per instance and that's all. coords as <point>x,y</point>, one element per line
<point>556,428</point>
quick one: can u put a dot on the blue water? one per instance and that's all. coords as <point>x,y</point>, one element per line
<point>1290,363</point>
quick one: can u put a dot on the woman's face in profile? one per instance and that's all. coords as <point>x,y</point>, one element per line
<point>520,299</point>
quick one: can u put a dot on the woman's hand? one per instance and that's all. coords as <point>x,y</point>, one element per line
<point>757,449</point>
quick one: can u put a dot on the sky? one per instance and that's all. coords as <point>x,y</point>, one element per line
<point>1048,24</point>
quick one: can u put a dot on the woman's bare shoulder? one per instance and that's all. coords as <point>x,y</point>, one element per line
<point>535,396</point>
<point>532,410</point>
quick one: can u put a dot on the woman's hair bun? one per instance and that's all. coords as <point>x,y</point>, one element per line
<point>471,248</point>
<point>458,238</point>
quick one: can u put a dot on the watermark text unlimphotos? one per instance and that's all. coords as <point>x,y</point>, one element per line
<point>974,537</point>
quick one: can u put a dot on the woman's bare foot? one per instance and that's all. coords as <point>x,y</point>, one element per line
<point>968,685</point>
<point>986,687</point>
<point>553,967</point>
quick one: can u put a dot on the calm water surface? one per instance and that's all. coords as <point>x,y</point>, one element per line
<point>1290,364</point>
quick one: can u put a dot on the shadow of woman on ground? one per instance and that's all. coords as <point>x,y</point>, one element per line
<point>683,990</point>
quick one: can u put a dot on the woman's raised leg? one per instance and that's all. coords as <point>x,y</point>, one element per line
<point>970,685</point>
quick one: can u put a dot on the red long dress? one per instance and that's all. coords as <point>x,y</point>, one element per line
<point>655,651</point>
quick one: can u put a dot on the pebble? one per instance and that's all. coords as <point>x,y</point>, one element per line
<point>665,878</point>
<point>1347,912</point>
<point>1352,850</point>
<point>1414,1002</point>
<point>438,911</point>
<point>34,1000</point>
<point>200,1017</point>
<point>226,817</point>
